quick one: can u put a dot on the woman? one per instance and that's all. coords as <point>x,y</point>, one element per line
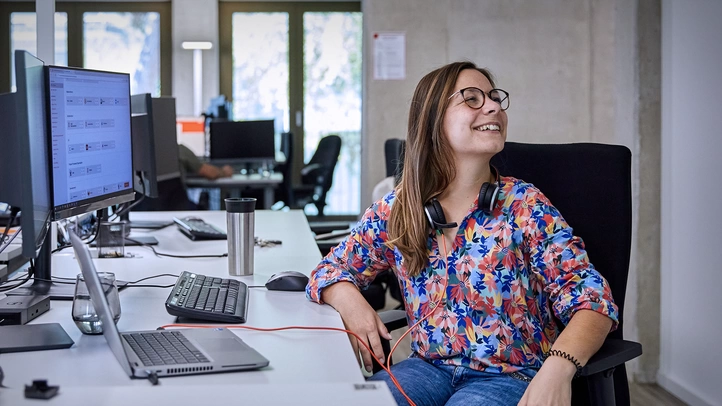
<point>480,291</point>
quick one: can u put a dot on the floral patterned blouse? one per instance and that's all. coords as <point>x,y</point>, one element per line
<point>508,272</point>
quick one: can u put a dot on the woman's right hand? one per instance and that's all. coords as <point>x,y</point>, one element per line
<point>358,316</point>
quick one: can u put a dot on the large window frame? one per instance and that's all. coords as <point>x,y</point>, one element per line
<point>295,12</point>
<point>75,12</point>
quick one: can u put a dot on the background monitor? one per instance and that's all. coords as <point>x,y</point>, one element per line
<point>155,141</point>
<point>90,139</point>
<point>219,108</point>
<point>242,141</point>
<point>24,168</point>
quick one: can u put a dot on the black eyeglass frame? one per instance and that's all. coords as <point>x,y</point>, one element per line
<point>485,95</point>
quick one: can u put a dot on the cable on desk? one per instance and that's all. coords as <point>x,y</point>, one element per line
<point>5,288</point>
<point>153,378</point>
<point>271,329</point>
<point>161,254</point>
<point>131,284</point>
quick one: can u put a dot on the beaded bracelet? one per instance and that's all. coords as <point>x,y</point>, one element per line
<point>568,358</point>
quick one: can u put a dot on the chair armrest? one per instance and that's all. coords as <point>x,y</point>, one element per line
<point>309,168</point>
<point>394,319</point>
<point>614,352</point>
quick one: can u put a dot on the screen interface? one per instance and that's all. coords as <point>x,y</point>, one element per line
<point>90,135</point>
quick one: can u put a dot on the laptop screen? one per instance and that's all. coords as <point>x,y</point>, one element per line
<point>110,331</point>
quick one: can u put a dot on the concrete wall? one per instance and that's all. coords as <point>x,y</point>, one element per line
<point>194,20</point>
<point>691,324</point>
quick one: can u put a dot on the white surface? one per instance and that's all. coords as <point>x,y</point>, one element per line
<point>311,394</point>
<point>237,180</point>
<point>691,325</point>
<point>296,357</point>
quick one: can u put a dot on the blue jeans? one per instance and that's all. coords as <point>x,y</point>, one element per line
<point>432,385</point>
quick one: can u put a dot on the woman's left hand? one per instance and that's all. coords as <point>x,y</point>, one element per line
<point>552,385</point>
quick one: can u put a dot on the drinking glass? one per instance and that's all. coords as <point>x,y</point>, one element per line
<point>84,314</point>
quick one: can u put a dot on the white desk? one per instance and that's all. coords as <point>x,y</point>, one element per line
<point>296,357</point>
<point>236,182</point>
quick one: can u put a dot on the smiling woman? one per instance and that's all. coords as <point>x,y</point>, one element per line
<point>481,283</point>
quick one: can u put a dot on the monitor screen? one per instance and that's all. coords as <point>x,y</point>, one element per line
<point>242,141</point>
<point>90,139</point>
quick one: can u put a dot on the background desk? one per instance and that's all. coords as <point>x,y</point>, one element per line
<point>237,182</point>
<point>296,357</point>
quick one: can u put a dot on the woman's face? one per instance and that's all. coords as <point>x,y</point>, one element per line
<point>474,131</point>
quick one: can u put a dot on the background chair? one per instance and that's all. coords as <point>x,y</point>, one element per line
<point>590,184</point>
<point>285,192</point>
<point>394,154</point>
<point>317,175</point>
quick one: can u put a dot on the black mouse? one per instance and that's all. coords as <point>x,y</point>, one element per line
<point>287,280</point>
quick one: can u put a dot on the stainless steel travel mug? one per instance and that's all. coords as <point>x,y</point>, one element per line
<point>240,222</point>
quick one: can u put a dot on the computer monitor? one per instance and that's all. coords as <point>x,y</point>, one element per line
<point>219,108</point>
<point>91,142</point>
<point>155,141</point>
<point>242,141</point>
<point>24,167</point>
<point>155,147</point>
<point>82,152</point>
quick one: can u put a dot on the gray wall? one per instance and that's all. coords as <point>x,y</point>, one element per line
<point>691,324</point>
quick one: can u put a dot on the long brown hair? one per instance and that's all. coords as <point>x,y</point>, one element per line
<point>428,164</point>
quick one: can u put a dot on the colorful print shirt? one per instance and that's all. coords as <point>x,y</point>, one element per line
<point>508,271</point>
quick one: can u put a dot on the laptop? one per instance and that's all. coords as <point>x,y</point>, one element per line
<point>158,353</point>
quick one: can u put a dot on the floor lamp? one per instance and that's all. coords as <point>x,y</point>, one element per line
<point>198,47</point>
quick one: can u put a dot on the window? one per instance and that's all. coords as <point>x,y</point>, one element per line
<point>300,63</point>
<point>23,27</point>
<point>132,37</point>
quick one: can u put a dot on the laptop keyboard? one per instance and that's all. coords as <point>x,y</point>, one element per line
<point>209,298</point>
<point>164,348</point>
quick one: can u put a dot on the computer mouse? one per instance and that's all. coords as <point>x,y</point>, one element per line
<point>287,280</point>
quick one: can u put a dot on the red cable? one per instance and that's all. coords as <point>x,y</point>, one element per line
<point>362,342</point>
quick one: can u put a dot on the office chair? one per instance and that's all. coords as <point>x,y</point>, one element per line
<point>285,192</point>
<point>394,154</point>
<point>590,185</point>
<point>317,175</point>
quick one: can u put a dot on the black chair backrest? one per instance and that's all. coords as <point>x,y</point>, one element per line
<point>326,156</point>
<point>590,185</point>
<point>394,154</point>
<point>285,193</point>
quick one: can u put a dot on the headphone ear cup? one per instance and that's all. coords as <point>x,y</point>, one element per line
<point>487,197</point>
<point>435,213</point>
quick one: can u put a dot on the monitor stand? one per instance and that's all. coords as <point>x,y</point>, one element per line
<point>151,225</point>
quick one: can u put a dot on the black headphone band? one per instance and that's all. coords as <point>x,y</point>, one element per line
<point>487,200</point>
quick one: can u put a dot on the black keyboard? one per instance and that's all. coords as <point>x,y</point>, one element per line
<point>164,348</point>
<point>208,298</point>
<point>197,229</point>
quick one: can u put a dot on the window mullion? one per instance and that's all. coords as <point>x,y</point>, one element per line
<point>295,56</point>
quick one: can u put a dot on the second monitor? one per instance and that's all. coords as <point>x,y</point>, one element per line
<point>242,141</point>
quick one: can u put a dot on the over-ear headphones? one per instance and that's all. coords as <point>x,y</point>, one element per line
<point>487,200</point>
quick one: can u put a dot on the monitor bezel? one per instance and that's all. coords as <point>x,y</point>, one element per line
<point>92,204</point>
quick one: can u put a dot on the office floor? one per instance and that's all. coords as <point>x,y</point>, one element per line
<point>641,394</point>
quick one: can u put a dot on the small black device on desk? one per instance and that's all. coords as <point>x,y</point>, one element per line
<point>197,229</point>
<point>209,298</point>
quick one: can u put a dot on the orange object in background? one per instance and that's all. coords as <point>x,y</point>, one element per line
<point>191,134</point>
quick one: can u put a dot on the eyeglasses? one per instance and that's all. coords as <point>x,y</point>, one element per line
<point>475,97</point>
